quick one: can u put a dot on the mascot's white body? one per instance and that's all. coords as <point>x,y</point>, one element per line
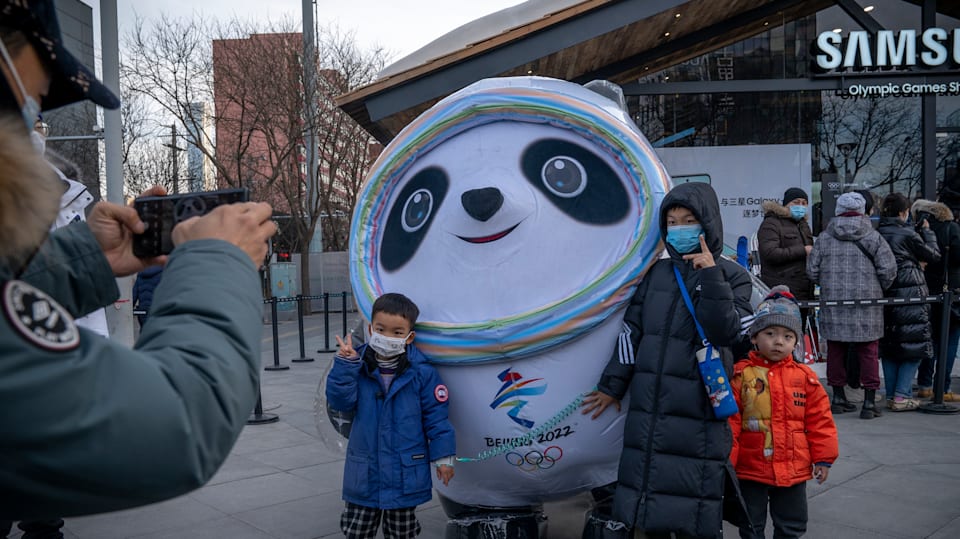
<point>519,214</point>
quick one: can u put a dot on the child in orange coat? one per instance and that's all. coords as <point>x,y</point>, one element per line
<point>784,434</point>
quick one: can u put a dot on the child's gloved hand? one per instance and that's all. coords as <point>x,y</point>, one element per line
<point>445,473</point>
<point>820,473</point>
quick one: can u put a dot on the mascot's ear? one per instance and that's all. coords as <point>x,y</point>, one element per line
<point>611,91</point>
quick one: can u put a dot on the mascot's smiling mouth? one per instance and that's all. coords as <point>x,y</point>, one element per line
<point>490,238</point>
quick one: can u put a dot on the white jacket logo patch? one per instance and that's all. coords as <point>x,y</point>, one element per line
<point>38,318</point>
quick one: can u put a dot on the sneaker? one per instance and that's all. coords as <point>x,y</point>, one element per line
<point>925,393</point>
<point>889,404</point>
<point>950,396</point>
<point>904,405</point>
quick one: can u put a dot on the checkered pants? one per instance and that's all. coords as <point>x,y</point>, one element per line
<point>359,522</point>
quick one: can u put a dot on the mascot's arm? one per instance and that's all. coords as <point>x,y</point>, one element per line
<point>616,377</point>
<point>342,384</point>
<point>724,300</point>
<point>433,407</point>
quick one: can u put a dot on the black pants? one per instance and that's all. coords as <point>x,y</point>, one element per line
<point>788,509</point>
<point>37,529</point>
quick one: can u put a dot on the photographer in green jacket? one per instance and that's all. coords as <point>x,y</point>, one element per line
<point>88,425</point>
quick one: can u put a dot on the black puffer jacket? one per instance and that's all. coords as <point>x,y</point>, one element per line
<point>675,453</point>
<point>906,328</point>
<point>781,243</point>
<point>948,235</point>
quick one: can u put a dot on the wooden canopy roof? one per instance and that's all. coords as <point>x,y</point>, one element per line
<point>617,40</point>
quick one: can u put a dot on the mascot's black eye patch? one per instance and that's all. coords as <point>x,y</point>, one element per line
<point>411,215</point>
<point>576,181</point>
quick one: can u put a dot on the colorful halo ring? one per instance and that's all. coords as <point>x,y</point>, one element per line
<point>518,99</point>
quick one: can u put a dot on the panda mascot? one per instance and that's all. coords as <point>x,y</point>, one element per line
<point>519,214</point>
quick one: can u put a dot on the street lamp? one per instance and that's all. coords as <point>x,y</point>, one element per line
<point>846,148</point>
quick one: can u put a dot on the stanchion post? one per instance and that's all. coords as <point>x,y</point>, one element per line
<point>326,325</point>
<point>258,417</point>
<point>276,339</point>
<point>939,381</point>
<point>303,354</point>
<point>343,313</point>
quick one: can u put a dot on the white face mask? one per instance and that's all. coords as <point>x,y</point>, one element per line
<point>387,346</point>
<point>30,109</point>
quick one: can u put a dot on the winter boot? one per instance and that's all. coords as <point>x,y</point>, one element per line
<point>870,409</point>
<point>840,404</point>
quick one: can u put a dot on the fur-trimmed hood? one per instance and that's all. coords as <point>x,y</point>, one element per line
<point>772,206</point>
<point>29,194</point>
<point>938,210</point>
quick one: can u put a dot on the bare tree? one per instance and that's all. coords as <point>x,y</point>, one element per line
<point>253,74</point>
<point>869,130</point>
<point>346,150</point>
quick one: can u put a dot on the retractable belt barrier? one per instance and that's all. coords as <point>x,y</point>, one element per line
<point>881,301</point>
<point>273,301</point>
<point>936,406</point>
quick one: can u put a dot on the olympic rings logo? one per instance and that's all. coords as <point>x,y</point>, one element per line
<point>534,460</point>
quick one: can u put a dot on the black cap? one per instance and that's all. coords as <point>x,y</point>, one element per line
<point>794,193</point>
<point>71,81</point>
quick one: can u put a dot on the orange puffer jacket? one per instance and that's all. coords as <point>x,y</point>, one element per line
<point>784,425</point>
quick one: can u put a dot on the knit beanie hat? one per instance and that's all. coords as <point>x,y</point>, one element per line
<point>793,193</point>
<point>779,308</point>
<point>850,202</point>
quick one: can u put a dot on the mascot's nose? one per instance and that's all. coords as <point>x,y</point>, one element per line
<point>482,204</point>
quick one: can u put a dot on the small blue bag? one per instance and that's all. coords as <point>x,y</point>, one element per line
<point>711,366</point>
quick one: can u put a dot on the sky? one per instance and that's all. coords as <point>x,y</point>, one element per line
<point>400,26</point>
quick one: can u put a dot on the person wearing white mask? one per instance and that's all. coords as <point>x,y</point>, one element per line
<point>398,405</point>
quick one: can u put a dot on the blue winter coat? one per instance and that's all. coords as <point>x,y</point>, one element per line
<point>147,281</point>
<point>395,434</point>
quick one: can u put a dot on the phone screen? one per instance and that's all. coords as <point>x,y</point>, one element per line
<point>161,214</point>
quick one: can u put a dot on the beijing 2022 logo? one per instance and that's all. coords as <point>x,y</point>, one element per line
<point>514,387</point>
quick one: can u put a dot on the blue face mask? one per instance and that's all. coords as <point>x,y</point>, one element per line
<point>798,212</point>
<point>684,238</point>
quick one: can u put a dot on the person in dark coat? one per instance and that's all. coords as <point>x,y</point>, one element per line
<point>147,281</point>
<point>945,272</point>
<point>784,240</point>
<point>675,454</point>
<point>906,328</point>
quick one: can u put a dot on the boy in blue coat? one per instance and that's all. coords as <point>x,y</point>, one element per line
<point>400,427</point>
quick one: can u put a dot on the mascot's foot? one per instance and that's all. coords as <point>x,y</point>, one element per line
<point>472,522</point>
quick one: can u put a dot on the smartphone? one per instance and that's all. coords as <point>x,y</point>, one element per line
<point>162,213</point>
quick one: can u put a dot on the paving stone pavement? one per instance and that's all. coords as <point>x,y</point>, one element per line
<point>898,476</point>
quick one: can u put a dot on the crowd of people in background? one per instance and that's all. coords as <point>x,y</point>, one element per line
<point>909,250</point>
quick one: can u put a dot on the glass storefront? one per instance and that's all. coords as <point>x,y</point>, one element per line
<point>860,142</point>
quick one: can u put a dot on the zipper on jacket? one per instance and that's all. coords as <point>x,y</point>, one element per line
<point>656,399</point>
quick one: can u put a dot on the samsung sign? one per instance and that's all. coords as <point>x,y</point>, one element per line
<point>932,48</point>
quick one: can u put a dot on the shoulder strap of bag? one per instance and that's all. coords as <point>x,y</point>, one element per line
<point>686,300</point>
<point>865,252</point>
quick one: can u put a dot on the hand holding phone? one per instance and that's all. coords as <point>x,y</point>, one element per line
<point>246,225</point>
<point>161,214</point>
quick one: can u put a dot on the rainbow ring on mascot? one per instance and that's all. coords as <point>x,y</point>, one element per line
<point>523,100</point>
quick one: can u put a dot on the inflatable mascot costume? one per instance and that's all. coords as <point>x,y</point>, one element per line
<point>519,214</point>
